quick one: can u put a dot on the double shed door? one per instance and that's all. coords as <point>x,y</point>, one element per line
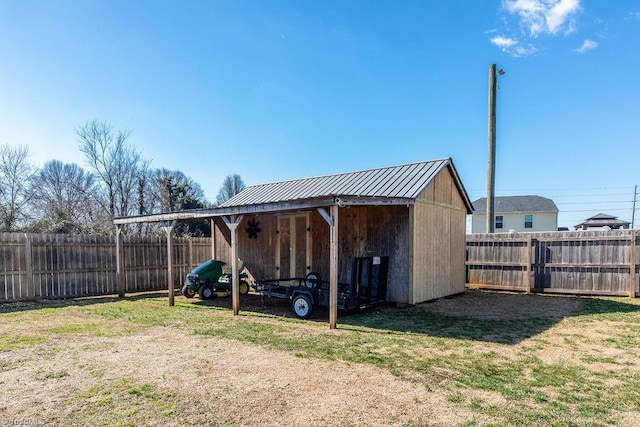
<point>293,250</point>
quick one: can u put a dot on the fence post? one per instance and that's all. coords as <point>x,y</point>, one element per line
<point>529,267</point>
<point>632,266</point>
<point>28,257</point>
<point>119,261</point>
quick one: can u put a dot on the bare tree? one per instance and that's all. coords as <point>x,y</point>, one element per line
<point>66,199</point>
<point>116,164</point>
<point>15,172</point>
<point>231,186</point>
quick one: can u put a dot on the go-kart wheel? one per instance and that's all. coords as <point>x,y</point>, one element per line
<point>206,292</point>
<point>188,292</point>
<point>244,287</point>
<point>302,306</point>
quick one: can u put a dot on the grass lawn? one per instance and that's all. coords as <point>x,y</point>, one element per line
<point>485,359</point>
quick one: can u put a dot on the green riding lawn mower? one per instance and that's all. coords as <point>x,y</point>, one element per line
<point>212,279</point>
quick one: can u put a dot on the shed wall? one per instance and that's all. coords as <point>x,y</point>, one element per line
<point>363,231</point>
<point>438,241</point>
<point>377,231</point>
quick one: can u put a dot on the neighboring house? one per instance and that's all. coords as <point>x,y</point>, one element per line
<point>602,221</point>
<point>517,213</point>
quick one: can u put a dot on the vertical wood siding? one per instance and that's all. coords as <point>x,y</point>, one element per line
<point>363,231</point>
<point>581,262</point>
<point>36,266</point>
<point>438,245</point>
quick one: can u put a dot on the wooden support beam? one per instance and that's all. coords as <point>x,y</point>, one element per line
<point>213,239</point>
<point>325,215</point>
<point>333,269</point>
<point>120,279</point>
<point>168,229</point>
<point>233,224</point>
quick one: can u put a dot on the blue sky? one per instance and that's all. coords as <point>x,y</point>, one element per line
<point>276,90</point>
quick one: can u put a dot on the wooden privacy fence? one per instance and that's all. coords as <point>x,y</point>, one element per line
<point>581,262</point>
<point>34,266</point>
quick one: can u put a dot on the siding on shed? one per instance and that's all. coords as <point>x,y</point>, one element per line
<point>363,231</point>
<point>377,231</point>
<point>437,249</point>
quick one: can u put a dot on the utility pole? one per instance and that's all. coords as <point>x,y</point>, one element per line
<point>491,166</point>
<point>633,211</point>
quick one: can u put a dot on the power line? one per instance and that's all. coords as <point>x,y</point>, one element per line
<point>595,210</point>
<point>594,203</point>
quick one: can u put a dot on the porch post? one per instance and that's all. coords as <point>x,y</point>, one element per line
<point>333,269</point>
<point>332,220</point>
<point>213,239</point>
<point>233,224</point>
<point>168,229</point>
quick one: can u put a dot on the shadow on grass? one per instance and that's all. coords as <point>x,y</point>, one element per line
<point>415,320</point>
<point>608,306</point>
<point>13,307</point>
<point>494,317</point>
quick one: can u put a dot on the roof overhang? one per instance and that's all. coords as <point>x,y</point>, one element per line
<point>293,205</point>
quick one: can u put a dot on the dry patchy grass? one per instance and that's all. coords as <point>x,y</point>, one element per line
<point>477,359</point>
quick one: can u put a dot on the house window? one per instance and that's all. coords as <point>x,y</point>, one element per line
<point>499,221</point>
<point>528,221</point>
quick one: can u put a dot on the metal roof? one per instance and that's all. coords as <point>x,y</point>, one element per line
<point>511,204</point>
<point>390,185</point>
<point>602,220</point>
<point>394,182</point>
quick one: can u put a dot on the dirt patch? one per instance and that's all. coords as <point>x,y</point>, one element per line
<point>493,305</point>
<point>208,381</point>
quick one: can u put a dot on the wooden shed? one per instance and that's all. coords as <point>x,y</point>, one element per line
<point>414,214</point>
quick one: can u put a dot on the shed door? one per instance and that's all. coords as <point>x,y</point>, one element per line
<point>293,251</point>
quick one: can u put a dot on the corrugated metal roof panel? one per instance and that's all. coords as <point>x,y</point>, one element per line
<point>426,173</point>
<point>403,181</point>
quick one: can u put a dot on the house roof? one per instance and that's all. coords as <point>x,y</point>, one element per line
<point>402,183</point>
<point>603,220</point>
<point>516,204</point>
<point>602,216</point>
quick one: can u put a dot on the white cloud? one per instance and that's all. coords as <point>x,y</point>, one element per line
<point>528,50</point>
<point>504,42</point>
<point>586,46</point>
<point>545,16</point>
<point>537,18</point>
<point>513,47</point>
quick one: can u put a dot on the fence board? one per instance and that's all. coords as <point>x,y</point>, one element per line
<point>34,266</point>
<point>583,263</point>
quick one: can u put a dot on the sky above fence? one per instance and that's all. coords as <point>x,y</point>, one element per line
<point>276,90</point>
